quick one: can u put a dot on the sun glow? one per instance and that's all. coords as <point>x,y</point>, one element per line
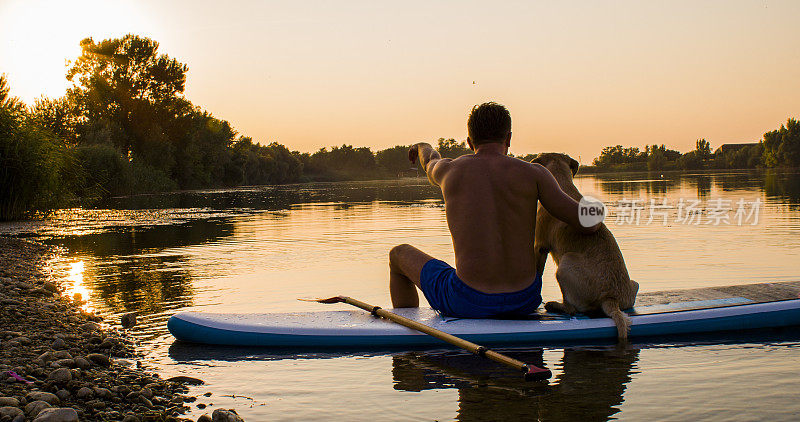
<point>37,38</point>
<point>76,286</point>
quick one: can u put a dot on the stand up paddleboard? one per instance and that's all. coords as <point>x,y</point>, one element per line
<point>766,305</point>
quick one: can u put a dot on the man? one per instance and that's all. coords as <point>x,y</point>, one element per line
<point>490,201</point>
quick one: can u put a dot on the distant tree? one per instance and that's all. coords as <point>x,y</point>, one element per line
<point>782,146</point>
<point>618,154</point>
<point>449,148</point>
<point>690,161</point>
<point>393,160</point>
<point>703,149</point>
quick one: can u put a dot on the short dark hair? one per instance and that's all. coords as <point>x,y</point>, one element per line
<point>488,122</point>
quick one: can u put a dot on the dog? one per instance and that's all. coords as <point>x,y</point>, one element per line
<point>591,271</point>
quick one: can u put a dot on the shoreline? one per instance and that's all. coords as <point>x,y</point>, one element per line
<point>54,355</point>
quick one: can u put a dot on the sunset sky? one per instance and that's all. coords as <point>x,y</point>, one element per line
<point>576,76</point>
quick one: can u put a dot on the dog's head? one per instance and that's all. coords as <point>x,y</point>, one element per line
<point>557,163</point>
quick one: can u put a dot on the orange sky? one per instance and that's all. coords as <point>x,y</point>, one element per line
<point>576,75</point>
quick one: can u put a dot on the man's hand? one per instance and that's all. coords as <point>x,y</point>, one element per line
<point>430,160</point>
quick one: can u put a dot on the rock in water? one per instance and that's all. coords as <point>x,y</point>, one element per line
<point>226,415</point>
<point>128,320</point>
<point>61,414</point>
<point>186,380</point>
<point>204,418</point>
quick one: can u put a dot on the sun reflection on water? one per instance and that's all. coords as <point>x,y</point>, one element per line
<point>75,285</point>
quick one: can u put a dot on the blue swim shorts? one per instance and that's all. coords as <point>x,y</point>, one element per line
<point>452,297</point>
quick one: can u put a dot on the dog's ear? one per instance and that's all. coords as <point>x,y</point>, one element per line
<point>537,159</point>
<point>574,164</point>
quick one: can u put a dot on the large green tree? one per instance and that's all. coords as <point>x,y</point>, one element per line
<point>124,86</point>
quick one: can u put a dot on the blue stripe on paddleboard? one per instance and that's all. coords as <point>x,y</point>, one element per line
<point>695,304</point>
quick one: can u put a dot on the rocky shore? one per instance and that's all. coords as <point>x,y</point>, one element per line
<point>60,363</point>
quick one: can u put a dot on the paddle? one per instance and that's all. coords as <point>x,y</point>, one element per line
<point>531,372</point>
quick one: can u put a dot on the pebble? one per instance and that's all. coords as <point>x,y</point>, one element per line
<point>63,395</point>
<point>43,396</point>
<point>61,354</point>
<point>33,408</point>
<point>130,418</point>
<point>128,320</point>
<point>99,359</point>
<point>82,363</point>
<point>50,287</point>
<point>59,344</point>
<point>62,414</point>
<point>60,376</point>
<point>10,412</point>
<point>225,415</point>
<point>9,401</point>
<point>204,418</point>
<point>64,363</point>
<point>84,393</point>
<point>103,392</point>
<point>90,326</point>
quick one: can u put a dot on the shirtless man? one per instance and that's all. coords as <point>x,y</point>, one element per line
<point>490,201</point>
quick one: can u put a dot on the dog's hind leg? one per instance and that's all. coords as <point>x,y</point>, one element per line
<point>560,308</point>
<point>571,279</point>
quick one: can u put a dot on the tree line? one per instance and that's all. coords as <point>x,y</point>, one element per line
<point>125,127</point>
<point>778,148</point>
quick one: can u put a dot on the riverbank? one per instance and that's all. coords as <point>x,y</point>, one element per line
<point>60,363</point>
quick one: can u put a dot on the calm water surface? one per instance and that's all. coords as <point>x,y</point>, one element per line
<point>258,249</point>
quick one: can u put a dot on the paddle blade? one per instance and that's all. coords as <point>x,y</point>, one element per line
<point>534,373</point>
<point>335,299</point>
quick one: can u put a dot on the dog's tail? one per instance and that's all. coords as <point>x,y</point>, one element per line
<point>622,321</point>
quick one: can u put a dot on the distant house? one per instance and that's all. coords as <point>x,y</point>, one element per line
<point>726,148</point>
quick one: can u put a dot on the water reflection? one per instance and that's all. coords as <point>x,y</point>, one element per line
<point>783,185</point>
<point>590,385</point>
<point>129,269</point>
<point>283,196</point>
<point>779,186</point>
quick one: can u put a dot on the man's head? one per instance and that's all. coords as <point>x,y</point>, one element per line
<point>489,123</point>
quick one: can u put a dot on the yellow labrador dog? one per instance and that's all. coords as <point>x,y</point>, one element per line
<point>591,271</point>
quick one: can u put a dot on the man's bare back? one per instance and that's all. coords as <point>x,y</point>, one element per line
<point>491,212</point>
<point>490,201</point>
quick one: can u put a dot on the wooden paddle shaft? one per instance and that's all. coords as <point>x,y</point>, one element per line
<point>531,372</point>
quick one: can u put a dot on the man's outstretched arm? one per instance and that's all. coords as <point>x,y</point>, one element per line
<point>558,203</point>
<point>430,160</point>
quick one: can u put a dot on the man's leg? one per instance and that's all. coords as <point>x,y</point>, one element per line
<point>405,265</point>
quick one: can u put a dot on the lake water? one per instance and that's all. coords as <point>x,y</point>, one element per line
<point>258,249</point>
